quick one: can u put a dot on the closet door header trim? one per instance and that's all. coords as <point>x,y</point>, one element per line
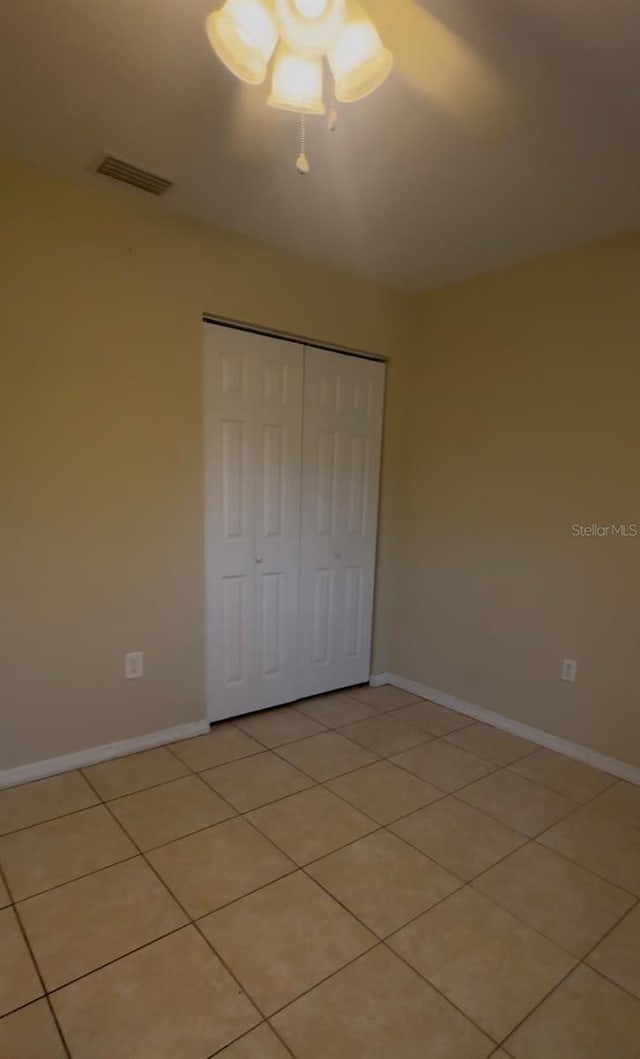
<point>285,336</point>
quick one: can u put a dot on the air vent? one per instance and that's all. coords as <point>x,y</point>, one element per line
<point>130,174</point>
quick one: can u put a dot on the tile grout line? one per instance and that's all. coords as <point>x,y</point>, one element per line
<point>431,738</point>
<point>196,922</point>
<point>48,819</point>
<point>528,840</point>
<point>45,992</point>
<point>192,922</point>
<point>302,868</point>
<point>611,929</point>
<point>610,981</point>
<point>317,783</point>
<point>378,941</point>
<point>383,941</point>
<point>16,902</point>
<point>323,783</point>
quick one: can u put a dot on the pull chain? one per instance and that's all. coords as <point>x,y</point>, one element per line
<point>302,164</point>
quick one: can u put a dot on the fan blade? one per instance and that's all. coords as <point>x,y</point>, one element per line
<point>440,65</point>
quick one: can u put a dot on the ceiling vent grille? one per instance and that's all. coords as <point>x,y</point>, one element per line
<point>130,174</point>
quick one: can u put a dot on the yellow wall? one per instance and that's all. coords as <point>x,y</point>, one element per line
<point>522,417</point>
<point>100,413</point>
<point>513,411</point>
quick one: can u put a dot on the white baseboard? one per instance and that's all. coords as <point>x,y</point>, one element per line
<point>621,769</point>
<point>40,769</point>
<point>378,679</point>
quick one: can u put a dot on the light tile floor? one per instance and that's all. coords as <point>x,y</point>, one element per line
<point>357,876</point>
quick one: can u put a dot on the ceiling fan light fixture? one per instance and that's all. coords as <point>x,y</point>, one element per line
<point>243,34</point>
<point>296,83</point>
<point>358,59</point>
<point>310,27</point>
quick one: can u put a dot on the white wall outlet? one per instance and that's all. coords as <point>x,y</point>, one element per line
<point>569,667</point>
<point>134,665</point>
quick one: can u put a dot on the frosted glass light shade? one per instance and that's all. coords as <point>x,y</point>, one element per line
<point>311,8</point>
<point>309,27</point>
<point>358,60</point>
<point>243,34</point>
<point>297,83</point>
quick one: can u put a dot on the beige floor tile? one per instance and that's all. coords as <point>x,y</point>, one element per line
<point>223,743</point>
<point>444,765</point>
<point>375,1008</point>
<point>31,1033</point>
<point>219,865</point>
<point>124,775</point>
<point>570,778</point>
<point>162,814</point>
<point>437,720</point>
<point>78,927</point>
<point>171,999</point>
<point>310,824</point>
<point>585,1018</point>
<point>383,791</point>
<point>61,850</point>
<point>569,905</point>
<point>387,697</point>
<point>494,745</point>
<point>458,837</point>
<point>276,727</point>
<point>4,894</point>
<point>335,710</point>
<point>43,800</point>
<point>383,881</point>
<point>385,735</point>
<point>284,939</point>
<point>622,802</point>
<point>260,1043</point>
<point>19,982</point>
<point>600,843</point>
<point>618,956</point>
<point>256,780</point>
<point>326,756</point>
<point>490,965</point>
<point>516,801</point>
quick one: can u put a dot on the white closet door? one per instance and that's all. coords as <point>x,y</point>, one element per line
<point>253,405</point>
<point>342,428</point>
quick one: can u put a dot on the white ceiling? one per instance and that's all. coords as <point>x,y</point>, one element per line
<point>404,191</point>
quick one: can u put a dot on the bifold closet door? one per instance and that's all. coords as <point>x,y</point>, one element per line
<point>253,410</point>
<point>342,429</point>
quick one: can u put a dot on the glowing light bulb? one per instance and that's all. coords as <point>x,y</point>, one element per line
<point>296,83</point>
<point>310,27</point>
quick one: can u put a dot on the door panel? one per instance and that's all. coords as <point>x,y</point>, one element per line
<point>342,427</point>
<point>236,620</point>
<point>253,407</point>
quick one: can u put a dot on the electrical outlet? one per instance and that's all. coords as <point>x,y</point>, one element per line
<point>134,665</point>
<point>569,668</point>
